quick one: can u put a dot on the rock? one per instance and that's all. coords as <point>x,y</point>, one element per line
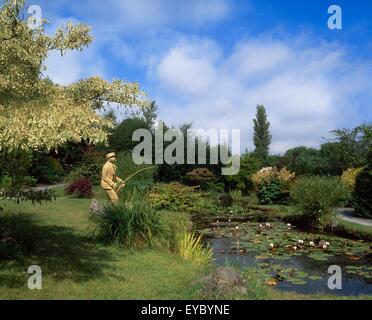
<point>190,226</point>
<point>225,281</point>
<point>96,207</point>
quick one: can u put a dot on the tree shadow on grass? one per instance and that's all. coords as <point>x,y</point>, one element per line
<point>61,252</point>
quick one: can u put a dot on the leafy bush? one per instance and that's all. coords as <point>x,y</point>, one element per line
<point>217,187</point>
<point>362,195</point>
<point>133,224</point>
<point>175,196</point>
<point>273,185</point>
<point>349,176</point>
<point>86,170</point>
<point>243,180</point>
<point>190,246</point>
<point>48,169</point>
<point>236,196</point>
<point>200,176</point>
<point>80,188</point>
<point>270,192</point>
<point>318,196</point>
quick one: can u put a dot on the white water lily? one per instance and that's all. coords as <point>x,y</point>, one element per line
<point>328,243</point>
<point>312,244</point>
<point>325,246</point>
<point>301,241</point>
<point>289,225</point>
<point>271,245</point>
<point>294,248</point>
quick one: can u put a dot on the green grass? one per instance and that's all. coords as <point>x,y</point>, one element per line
<point>354,229</point>
<point>76,267</point>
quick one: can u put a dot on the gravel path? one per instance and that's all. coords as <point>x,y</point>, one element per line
<point>49,187</point>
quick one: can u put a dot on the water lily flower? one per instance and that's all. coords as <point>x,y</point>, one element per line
<point>325,247</point>
<point>271,245</point>
<point>268,225</point>
<point>289,225</point>
<point>237,227</point>
<point>300,241</point>
<point>295,248</point>
<point>231,211</point>
<point>261,226</point>
<point>328,243</point>
<point>312,244</point>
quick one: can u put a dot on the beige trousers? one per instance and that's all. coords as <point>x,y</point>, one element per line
<point>113,196</point>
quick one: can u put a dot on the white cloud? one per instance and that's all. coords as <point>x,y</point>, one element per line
<point>307,88</point>
<point>300,86</point>
<point>133,17</point>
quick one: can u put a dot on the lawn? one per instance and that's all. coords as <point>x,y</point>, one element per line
<point>75,267</point>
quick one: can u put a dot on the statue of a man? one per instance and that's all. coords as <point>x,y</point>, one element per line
<point>110,182</point>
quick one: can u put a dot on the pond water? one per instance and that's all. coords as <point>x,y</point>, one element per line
<point>292,260</point>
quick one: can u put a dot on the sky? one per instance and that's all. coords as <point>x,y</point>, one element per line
<point>210,62</point>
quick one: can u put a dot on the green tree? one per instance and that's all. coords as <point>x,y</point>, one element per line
<point>304,161</point>
<point>261,135</point>
<point>121,137</point>
<point>37,115</point>
<point>242,181</point>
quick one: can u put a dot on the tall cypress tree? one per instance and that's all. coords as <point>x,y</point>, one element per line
<point>261,135</point>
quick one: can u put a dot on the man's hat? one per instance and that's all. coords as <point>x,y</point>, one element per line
<point>110,155</point>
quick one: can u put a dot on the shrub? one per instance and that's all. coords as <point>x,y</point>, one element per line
<point>362,195</point>
<point>80,188</point>
<point>349,176</point>
<point>176,196</point>
<point>48,169</point>
<point>270,192</point>
<point>317,197</point>
<point>273,185</point>
<point>86,170</point>
<point>190,246</point>
<point>243,179</point>
<point>218,187</point>
<point>133,224</point>
<point>236,196</point>
<point>200,176</point>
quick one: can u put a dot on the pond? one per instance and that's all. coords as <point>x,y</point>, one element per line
<point>290,259</point>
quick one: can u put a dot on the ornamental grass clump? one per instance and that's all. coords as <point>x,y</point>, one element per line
<point>190,246</point>
<point>130,224</point>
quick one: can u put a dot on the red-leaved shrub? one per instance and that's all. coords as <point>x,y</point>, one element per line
<point>80,188</point>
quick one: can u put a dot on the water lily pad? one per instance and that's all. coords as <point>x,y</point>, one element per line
<point>297,281</point>
<point>318,256</point>
<point>262,257</point>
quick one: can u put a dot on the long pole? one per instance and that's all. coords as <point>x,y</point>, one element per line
<point>132,175</point>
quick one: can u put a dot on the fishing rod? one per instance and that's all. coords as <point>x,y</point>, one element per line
<point>132,175</point>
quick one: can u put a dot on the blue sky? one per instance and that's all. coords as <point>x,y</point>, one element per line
<point>211,62</point>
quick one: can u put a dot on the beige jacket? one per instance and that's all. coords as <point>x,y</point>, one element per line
<point>109,178</point>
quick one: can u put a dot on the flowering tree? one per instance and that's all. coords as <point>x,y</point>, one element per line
<point>36,114</point>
